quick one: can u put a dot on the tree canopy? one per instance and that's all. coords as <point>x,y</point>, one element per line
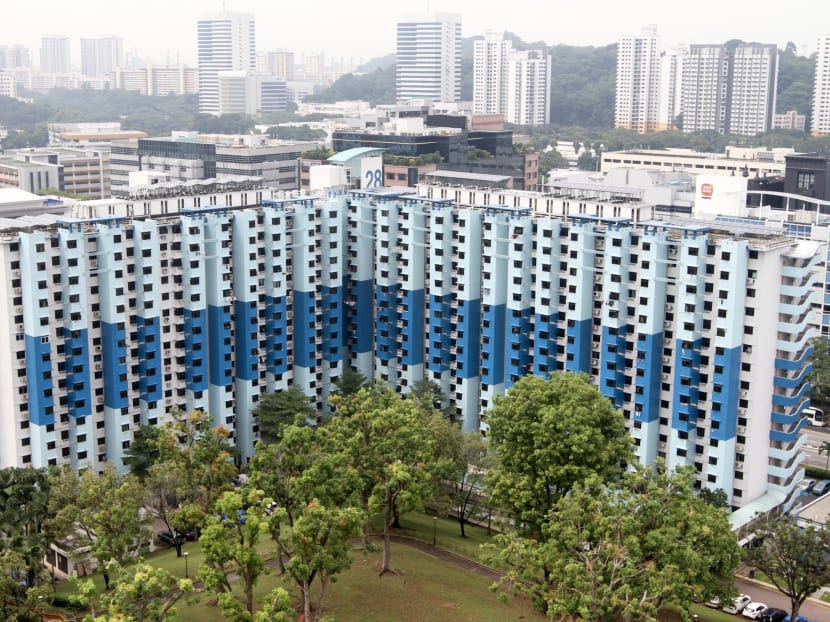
<point>620,551</point>
<point>548,435</point>
<point>794,557</point>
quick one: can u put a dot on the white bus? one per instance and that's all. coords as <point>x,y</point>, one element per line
<point>816,416</point>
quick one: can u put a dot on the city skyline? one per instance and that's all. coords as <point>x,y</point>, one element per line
<point>370,32</point>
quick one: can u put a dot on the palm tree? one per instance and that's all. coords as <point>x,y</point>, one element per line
<point>824,448</point>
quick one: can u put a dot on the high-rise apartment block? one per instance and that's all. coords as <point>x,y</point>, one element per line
<point>513,83</point>
<point>279,63</point>
<point>428,61</point>
<point>101,56</point>
<point>821,89</point>
<point>250,92</point>
<point>54,54</point>
<point>226,42</point>
<point>697,330</point>
<point>158,80</point>
<point>637,103</point>
<point>14,56</point>
<point>730,90</point>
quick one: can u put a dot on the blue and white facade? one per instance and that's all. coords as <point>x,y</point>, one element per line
<point>696,330</point>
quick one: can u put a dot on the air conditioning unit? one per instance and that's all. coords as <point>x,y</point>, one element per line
<point>667,359</point>
<point>669,307</point>
<point>744,392</point>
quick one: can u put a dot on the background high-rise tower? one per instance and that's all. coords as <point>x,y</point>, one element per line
<point>101,55</point>
<point>54,54</point>
<point>429,57</point>
<point>226,42</point>
<point>511,82</point>
<point>730,90</point>
<point>637,104</point>
<point>821,89</point>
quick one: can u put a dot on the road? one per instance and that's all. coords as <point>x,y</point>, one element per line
<point>816,436</point>
<point>773,598</point>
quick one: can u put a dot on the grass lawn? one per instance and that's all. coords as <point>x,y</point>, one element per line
<point>427,589</point>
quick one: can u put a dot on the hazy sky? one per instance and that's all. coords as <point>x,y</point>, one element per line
<point>358,29</point>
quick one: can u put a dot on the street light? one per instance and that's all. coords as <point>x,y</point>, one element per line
<point>40,606</point>
<point>185,565</point>
<point>434,525</point>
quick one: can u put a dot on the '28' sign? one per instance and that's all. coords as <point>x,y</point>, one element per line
<point>373,178</point>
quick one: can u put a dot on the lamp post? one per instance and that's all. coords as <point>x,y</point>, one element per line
<point>434,526</point>
<point>185,565</point>
<point>40,606</point>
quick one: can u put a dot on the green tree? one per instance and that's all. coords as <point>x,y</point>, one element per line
<point>820,374</point>
<point>716,497</point>
<point>229,543</point>
<point>142,592</point>
<point>311,492</point>
<point>162,496</point>
<point>319,544</point>
<point>793,557</point>
<point>429,395</point>
<point>103,511</point>
<point>200,454</point>
<point>350,381</point>
<point>25,516</point>
<point>16,591</point>
<point>548,435</point>
<point>143,451</point>
<point>467,485</point>
<point>276,410</point>
<point>621,551</point>
<point>399,448</point>
<point>549,160</point>
<point>824,448</point>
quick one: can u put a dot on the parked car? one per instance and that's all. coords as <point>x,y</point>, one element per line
<point>713,602</point>
<point>798,618</point>
<point>772,614</point>
<point>753,610</point>
<point>737,605</point>
<point>821,487</point>
<point>807,485</point>
<point>171,537</point>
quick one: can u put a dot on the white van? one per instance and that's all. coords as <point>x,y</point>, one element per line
<point>816,416</point>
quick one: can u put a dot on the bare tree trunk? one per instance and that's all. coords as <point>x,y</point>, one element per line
<point>388,518</point>
<point>318,609</point>
<point>305,588</point>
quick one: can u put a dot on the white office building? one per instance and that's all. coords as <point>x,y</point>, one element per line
<point>429,57</point>
<point>226,42</point>
<point>821,89</point>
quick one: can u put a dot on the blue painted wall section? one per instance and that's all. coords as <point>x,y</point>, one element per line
<point>114,353</point>
<point>469,340</point>
<point>788,437</point>
<point>647,401</point>
<point>518,359</point>
<point>195,349</point>
<point>276,335</point>
<point>149,359</point>
<point>686,385</point>
<point>39,380</point>
<point>492,344</point>
<point>440,329</point>
<point>786,365</point>
<point>612,364</point>
<point>304,331</point>
<point>386,328</point>
<point>358,310</point>
<point>332,301</point>
<point>412,332</point>
<point>247,342</point>
<point>78,398</point>
<point>578,346</point>
<point>544,344</point>
<point>220,346</point>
